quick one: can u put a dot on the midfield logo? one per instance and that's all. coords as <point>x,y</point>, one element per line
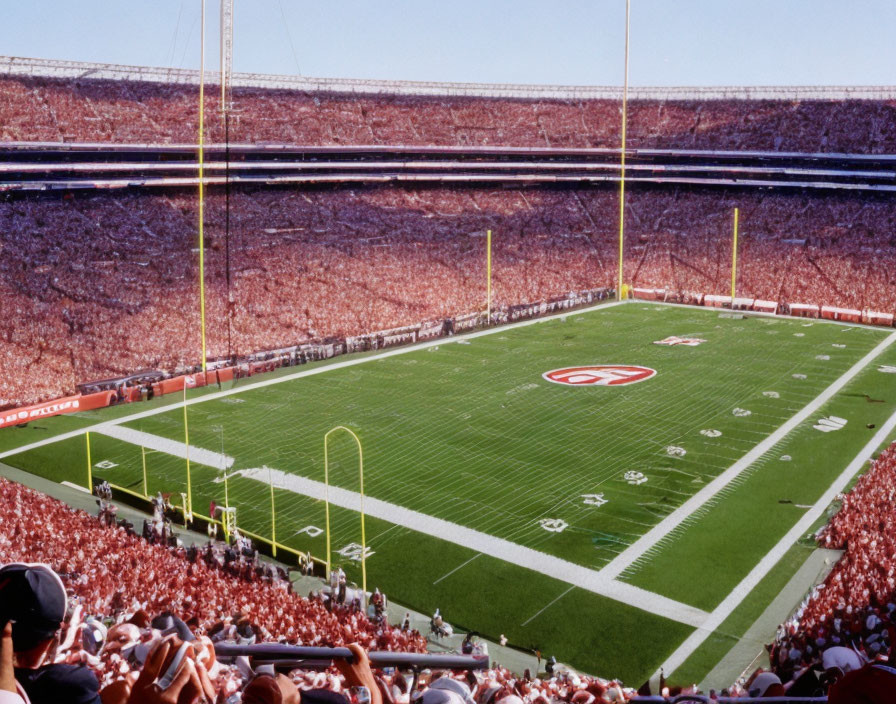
<point>675,340</point>
<point>600,375</point>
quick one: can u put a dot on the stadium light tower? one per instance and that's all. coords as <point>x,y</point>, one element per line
<point>619,284</point>
<point>226,51</point>
<point>226,76</point>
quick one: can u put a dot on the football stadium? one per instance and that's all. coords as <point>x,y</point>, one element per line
<point>369,391</point>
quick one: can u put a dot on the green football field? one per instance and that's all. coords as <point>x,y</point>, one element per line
<point>619,527</point>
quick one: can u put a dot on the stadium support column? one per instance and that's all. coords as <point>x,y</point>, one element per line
<point>622,156</point>
<point>201,184</point>
<point>734,256</point>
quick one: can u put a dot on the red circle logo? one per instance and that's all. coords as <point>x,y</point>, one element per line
<point>600,375</point>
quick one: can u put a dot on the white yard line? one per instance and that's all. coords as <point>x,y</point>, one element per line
<point>459,567</point>
<point>661,530</point>
<point>351,362</point>
<point>748,583</point>
<point>546,607</point>
<point>171,447</point>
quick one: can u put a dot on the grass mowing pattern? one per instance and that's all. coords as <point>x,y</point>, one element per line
<point>472,433</point>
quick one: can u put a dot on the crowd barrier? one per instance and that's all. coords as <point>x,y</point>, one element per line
<point>69,404</point>
<point>804,310</point>
<point>799,310</point>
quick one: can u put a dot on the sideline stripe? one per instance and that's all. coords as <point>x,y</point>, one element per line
<point>661,530</point>
<point>483,543</point>
<point>537,561</point>
<point>748,583</point>
<point>98,427</point>
<point>197,455</point>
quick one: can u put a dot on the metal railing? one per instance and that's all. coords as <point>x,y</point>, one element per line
<point>52,68</point>
<point>704,699</point>
<point>272,545</point>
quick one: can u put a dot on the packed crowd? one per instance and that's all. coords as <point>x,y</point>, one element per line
<point>849,619</point>
<point>96,611</point>
<point>51,109</point>
<point>103,286</point>
<point>121,596</point>
<point>110,571</point>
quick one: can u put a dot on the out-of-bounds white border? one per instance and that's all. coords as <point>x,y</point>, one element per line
<point>764,566</point>
<point>661,530</point>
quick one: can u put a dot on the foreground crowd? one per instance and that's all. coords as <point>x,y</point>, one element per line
<point>126,605</point>
<point>100,612</point>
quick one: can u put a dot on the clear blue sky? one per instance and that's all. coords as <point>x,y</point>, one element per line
<point>674,42</point>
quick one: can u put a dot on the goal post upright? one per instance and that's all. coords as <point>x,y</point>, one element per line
<point>488,276</point>
<point>189,506</point>
<point>273,515</point>
<point>622,155</point>
<point>734,254</point>
<point>201,158</point>
<point>89,465</point>
<point>327,502</point>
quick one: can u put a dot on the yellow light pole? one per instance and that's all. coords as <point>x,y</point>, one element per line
<point>734,255</point>
<point>622,155</point>
<point>327,503</point>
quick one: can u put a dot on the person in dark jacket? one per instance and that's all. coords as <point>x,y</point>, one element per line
<point>33,598</point>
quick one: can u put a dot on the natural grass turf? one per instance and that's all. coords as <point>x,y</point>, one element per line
<point>732,533</point>
<point>473,434</point>
<point>732,629</point>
